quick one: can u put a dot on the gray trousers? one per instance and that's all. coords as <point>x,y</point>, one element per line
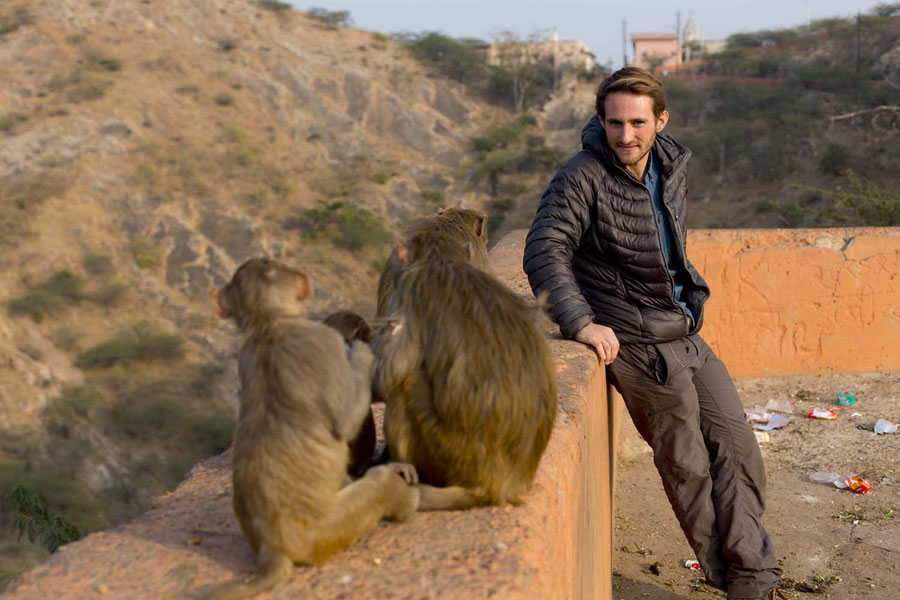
<point>684,404</point>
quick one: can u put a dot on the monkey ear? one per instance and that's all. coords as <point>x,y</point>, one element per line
<point>394,326</point>
<point>215,302</point>
<point>303,287</point>
<point>481,226</point>
<point>402,250</point>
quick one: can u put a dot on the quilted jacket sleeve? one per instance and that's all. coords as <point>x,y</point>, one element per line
<point>562,218</point>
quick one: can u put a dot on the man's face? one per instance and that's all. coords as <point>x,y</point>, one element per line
<point>631,128</point>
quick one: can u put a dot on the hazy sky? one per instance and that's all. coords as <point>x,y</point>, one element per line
<point>597,23</point>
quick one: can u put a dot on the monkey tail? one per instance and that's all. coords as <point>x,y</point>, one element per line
<point>274,567</point>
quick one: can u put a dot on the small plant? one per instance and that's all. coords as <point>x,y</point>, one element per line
<point>96,61</point>
<point>9,121</point>
<point>65,338</point>
<point>142,342</point>
<point>381,39</point>
<point>227,44</point>
<point>347,226</point>
<point>145,252</point>
<point>83,90</point>
<point>224,99</point>
<point>97,263</point>
<point>61,290</point>
<point>35,519</point>
<point>75,403</point>
<point>188,90</point>
<point>109,294</point>
<point>332,18</point>
<point>19,17</point>
<point>433,198</point>
<point>275,6</point>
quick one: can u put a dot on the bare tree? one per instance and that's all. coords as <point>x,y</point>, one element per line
<point>521,58</point>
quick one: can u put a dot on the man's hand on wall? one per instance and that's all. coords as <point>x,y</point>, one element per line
<point>602,339</point>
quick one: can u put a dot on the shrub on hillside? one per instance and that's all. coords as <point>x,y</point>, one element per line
<point>97,263</point>
<point>275,6</point>
<point>347,225</point>
<point>8,121</point>
<point>145,252</point>
<point>332,18</point>
<point>34,518</point>
<point>142,342</point>
<point>17,17</point>
<point>457,59</point>
<point>60,290</point>
<point>834,159</point>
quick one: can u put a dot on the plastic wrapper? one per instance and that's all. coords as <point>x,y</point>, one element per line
<point>822,413</point>
<point>859,485</point>
<point>839,481</point>
<point>775,422</point>
<point>780,404</point>
<point>693,565</point>
<point>852,482</point>
<point>761,436</point>
<point>882,426</point>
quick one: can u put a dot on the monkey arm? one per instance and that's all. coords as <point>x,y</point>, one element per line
<point>562,218</point>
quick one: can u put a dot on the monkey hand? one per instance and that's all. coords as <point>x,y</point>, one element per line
<point>602,339</point>
<point>406,471</point>
<point>361,358</point>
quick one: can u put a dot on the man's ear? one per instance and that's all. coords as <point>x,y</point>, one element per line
<point>215,303</point>
<point>661,121</point>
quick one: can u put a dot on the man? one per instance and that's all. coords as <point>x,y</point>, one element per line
<point>608,245</point>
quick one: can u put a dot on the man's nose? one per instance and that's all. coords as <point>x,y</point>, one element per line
<point>627,134</point>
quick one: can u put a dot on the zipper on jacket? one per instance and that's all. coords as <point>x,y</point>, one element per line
<point>659,236</point>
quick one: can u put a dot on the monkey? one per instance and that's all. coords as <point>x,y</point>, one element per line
<point>303,395</point>
<point>467,376</point>
<point>353,327</point>
<point>448,227</point>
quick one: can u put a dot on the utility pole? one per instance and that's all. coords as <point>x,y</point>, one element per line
<point>624,46</point>
<point>858,54</point>
<point>677,38</point>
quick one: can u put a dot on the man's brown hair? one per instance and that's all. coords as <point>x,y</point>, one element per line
<point>632,80</point>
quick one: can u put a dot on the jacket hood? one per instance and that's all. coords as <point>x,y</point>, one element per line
<point>670,152</point>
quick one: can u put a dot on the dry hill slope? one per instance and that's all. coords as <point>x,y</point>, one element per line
<point>147,149</point>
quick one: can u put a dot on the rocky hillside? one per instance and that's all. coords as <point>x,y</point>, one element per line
<point>147,148</point>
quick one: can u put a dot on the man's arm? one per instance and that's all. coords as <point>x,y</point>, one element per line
<point>562,219</point>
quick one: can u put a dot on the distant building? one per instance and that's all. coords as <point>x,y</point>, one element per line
<point>694,46</point>
<point>564,56</point>
<point>666,52</point>
<point>653,51</point>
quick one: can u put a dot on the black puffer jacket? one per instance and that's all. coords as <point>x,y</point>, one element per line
<point>594,245</point>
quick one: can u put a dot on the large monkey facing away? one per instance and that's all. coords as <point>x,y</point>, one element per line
<point>303,396</point>
<point>449,227</point>
<point>467,376</point>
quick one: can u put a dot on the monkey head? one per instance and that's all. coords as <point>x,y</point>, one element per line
<point>261,290</point>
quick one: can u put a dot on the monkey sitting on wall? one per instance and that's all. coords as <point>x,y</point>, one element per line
<point>467,377</point>
<point>303,396</point>
<point>449,226</point>
<point>362,447</point>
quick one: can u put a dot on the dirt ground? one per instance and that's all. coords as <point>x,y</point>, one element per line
<point>845,544</point>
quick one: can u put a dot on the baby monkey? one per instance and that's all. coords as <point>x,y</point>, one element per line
<point>304,396</point>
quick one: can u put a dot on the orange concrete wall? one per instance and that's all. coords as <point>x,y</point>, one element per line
<point>801,300</point>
